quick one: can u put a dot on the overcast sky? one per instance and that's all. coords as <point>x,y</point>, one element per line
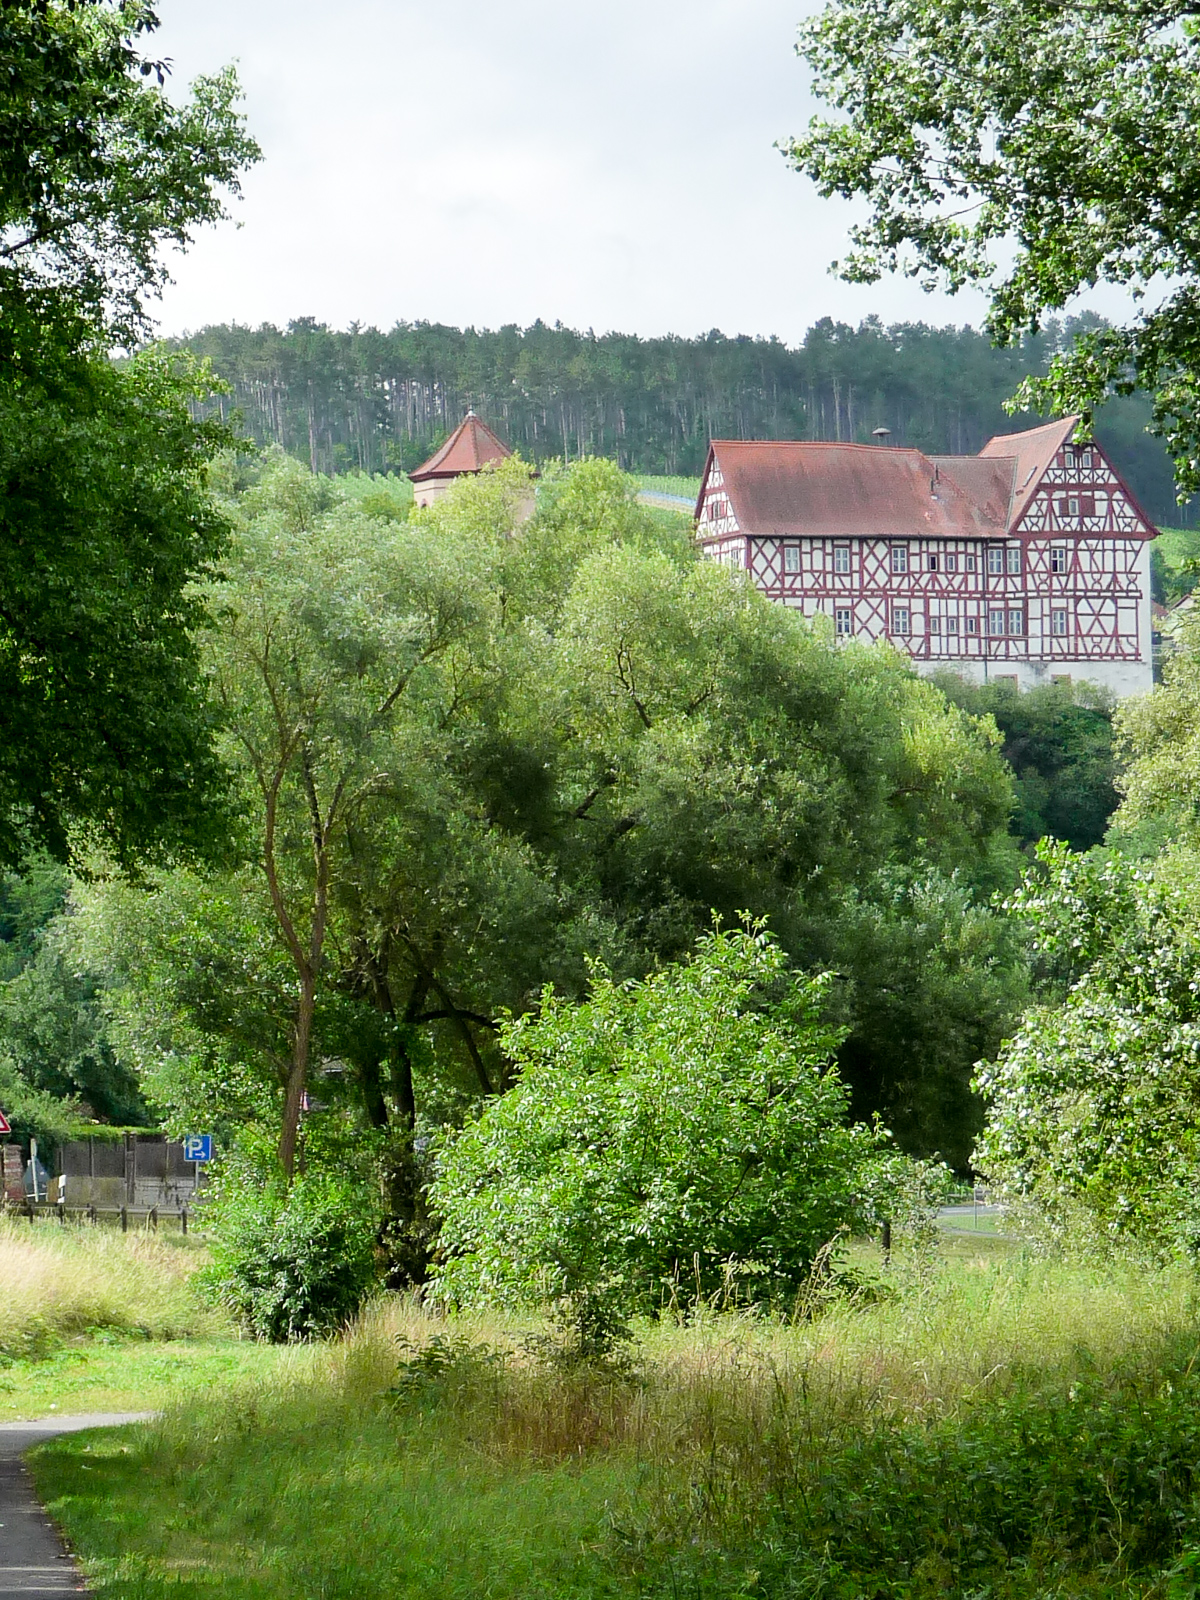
<point>610,167</point>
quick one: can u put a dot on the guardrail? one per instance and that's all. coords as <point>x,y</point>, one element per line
<point>91,1214</point>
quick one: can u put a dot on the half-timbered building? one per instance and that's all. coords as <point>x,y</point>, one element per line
<point>1028,562</point>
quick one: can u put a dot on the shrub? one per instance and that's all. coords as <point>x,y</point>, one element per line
<point>1094,1115</point>
<point>664,1140</point>
<point>295,1265</point>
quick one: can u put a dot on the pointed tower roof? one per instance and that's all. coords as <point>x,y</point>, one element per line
<point>471,447</point>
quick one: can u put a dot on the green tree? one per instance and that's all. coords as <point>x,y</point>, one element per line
<point>1059,742</point>
<point>491,754</point>
<point>104,522</point>
<point>99,170</point>
<point>1094,1105</point>
<point>1033,151</point>
<point>660,1138</point>
<point>1159,736</point>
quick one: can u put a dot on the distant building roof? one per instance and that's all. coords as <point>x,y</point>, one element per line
<point>471,447</point>
<point>818,489</point>
<point>1032,454</point>
<point>858,490</point>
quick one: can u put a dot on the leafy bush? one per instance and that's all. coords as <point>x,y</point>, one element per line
<point>1095,1103</point>
<point>295,1265</point>
<point>670,1139</point>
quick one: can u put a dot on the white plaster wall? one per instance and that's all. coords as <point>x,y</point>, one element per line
<point>1123,678</point>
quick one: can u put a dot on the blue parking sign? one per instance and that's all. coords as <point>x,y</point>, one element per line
<point>197,1147</point>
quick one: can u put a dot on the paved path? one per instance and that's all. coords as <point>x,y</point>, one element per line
<point>33,1563</point>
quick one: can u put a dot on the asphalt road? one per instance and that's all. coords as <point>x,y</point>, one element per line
<point>34,1565</point>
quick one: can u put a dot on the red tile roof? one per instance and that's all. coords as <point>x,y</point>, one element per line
<point>1034,452</point>
<point>860,490</point>
<point>471,447</point>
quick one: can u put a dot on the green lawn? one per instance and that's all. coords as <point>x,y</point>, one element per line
<point>678,488</point>
<point>112,1372</point>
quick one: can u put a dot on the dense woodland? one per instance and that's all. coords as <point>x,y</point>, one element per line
<point>368,401</point>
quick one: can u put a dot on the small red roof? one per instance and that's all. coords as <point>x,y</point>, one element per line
<point>471,447</point>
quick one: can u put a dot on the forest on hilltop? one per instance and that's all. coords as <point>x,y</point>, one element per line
<point>362,400</point>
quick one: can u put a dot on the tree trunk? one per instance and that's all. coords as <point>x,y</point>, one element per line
<point>297,1076</point>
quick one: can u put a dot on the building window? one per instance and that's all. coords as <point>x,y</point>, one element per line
<point>935,624</point>
<point>995,622</point>
<point>791,558</point>
<point>1016,621</point>
<point>1071,505</point>
<point>996,560</point>
<point>1085,458</point>
<point>951,561</point>
<point>841,622</point>
<point>900,560</point>
<point>900,619</point>
<point>1087,504</point>
<point>1058,624</point>
<point>841,558</point>
<point>934,563</point>
<point>1013,554</point>
<point>952,625</point>
<point>972,624</point>
<point>970,562</point>
<point>1058,558</point>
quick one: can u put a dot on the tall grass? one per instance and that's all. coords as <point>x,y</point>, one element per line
<point>993,1426</point>
<point>57,1282</point>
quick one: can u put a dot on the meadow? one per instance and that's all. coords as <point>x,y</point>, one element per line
<point>94,1320</point>
<point>972,1422</point>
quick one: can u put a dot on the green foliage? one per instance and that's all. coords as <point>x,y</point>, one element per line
<point>297,1264</point>
<point>1059,742</point>
<point>1094,1105</point>
<point>1159,736</point>
<point>105,525</point>
<point>1175,555</point>
<point>662,1139</point>
<point>1058,167</point>
<point>526,751</point>
<point>1016,1499</point>
<point>932,980</point>
<point>104,528</point>
<point>366,401</point>
<point>100,169</point>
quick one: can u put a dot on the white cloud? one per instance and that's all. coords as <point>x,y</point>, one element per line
<point>610,167</point>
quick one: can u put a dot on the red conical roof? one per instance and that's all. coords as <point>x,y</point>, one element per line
<point>469,448</point>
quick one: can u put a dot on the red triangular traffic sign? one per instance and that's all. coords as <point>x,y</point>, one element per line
<point>4,1127</point>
